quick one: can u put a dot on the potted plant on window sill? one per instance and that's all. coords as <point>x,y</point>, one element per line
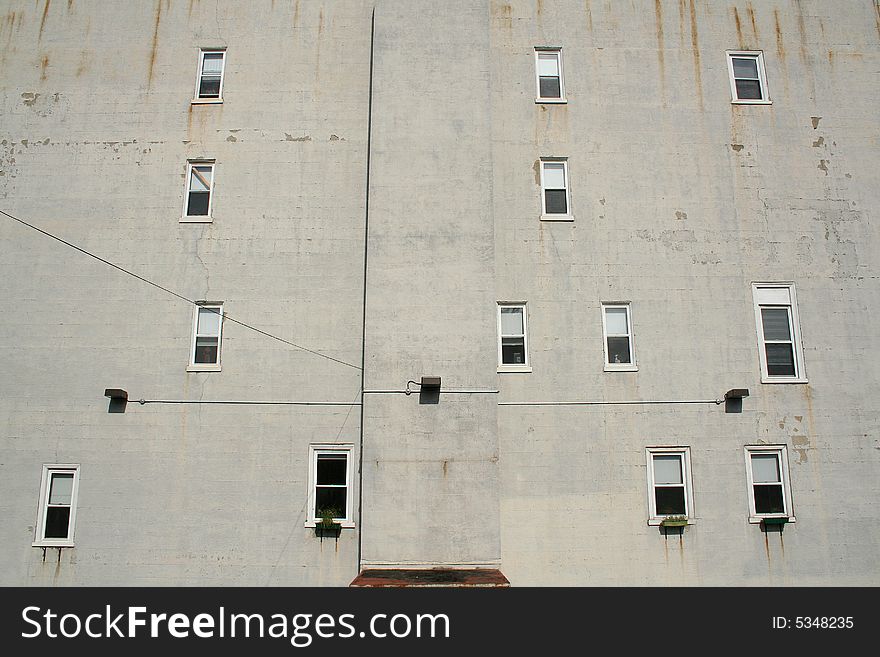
<point>327,525</point>
<point>674,521</point>
<point>778,520</point>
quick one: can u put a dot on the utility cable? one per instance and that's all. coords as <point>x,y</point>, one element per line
<point>173,293</point>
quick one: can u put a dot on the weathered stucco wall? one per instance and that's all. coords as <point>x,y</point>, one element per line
<point>680,200</point>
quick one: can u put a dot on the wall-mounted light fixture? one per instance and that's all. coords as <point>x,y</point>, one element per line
<point>733,400</point>
<point>118,399</point>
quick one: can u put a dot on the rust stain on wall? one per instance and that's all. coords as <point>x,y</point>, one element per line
<point>43,20</point>
<point>296,13</point>
<point>751,12</point>
<point>155,42</point>
<point>739,29</point>
<point>658,17</point>
<point>802,30</point>
<point>695,42</point>
<point>780,46</point>
<point>69,5</point>
<point>44,64</point>
<point>589,10</point>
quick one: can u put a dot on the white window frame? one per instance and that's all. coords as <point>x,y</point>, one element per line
<point>654,518</point>
<point>760,301</point>
<point>315,450</point>
<point>556,216</point>
<point>205,367</point>
<point>758,56</point>
<point>510,367</point>
<point>209,51</point>
<point>544,50</point>
<point>619,367</point>
<point>781,452</point>
<point>199,218</point>
<point>40,528</point>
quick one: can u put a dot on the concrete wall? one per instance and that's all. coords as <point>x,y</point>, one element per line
<point>680,199</point>
<point>98,127</point>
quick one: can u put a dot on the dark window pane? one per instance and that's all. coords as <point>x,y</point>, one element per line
<point>555,201</point>
<point>745,67</point>
<point>670,501</point>
<point>331,469</point>
<point>780,360</point>
<point>209,88</point>
<point>768,499</point>
<point>513,351</point>
<point>748,90</point>
<point>775,322</point>
<point>618,350</point>
<point>330,498</point>
<point>57,521</point>
<point>198,204</point>
<point>550,87</point>
<point>206,350</point>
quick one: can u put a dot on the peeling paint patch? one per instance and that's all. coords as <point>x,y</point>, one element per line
<point>819,142</point>
<point>815,120</point>
<point>681,216</point>
<point>334,137</point>
<point>231,138</point>
<point>288,137</point>
<point>30,98</point>
<point>823,165</point>
<point>737,147</point>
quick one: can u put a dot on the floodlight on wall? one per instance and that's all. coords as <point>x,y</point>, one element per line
<point>430,383</point>
<point>736,393</point>
<point>116,394</point>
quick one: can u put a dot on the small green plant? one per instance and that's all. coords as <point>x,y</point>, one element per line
<point>328,516</point>
<point>674,521</point>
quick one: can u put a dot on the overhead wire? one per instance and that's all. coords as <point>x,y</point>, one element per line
<point>176,294</point>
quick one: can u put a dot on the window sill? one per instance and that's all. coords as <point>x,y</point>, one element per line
<point>551,101</point>
<point>557,217</point>
<point>197,220</point>
<point>345,524</point>
<point>751,102</point>
<point>203,368</point>
<point>756,520</point>
<point>765,379</point>
<point>513,368</point>
<point>621,368</point>
<point>656,522</point>
<point>52,544</point>
<point>207,101</point>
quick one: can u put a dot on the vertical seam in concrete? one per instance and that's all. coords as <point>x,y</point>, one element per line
<point>360,524</point>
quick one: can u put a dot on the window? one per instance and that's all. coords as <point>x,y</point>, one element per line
<point>548,73</point>
<point>199,188</point>
<point>512,341</point>
<point>554,190</point>
<point>57,511</point>
<point>207,327</point>
<point>670,489</point>
<point>617,327</point>
<point>209,85</point>
<point>330,485</point>
<point>769,485</point>
<point>780,352</point>
<point>748,82</point>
